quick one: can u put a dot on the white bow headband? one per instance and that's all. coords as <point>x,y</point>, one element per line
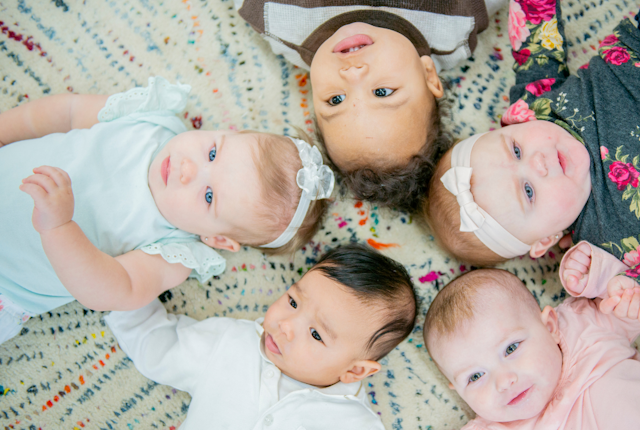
<point>316,181</point>
<point>457,180</point>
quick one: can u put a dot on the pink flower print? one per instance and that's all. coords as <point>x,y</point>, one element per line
<point>537,11</point>
<point>522,56</point>
<point>518,31</point>
<point>631,258</point>
<point>633,273</point>
<point>584,66</point>
<point>541,86</point>
<point>517,113</point>
<point>616,55</point>
<point>623,174</point>
<point>608,41</point>
<point>603,152</point>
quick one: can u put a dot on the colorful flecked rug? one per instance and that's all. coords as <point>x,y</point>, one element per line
<point>65,370</point>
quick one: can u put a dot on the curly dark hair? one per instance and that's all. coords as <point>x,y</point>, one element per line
<point>401,187</point>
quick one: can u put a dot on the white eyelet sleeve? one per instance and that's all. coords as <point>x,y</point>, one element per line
<point>159,95</point>
<point>195,255</point>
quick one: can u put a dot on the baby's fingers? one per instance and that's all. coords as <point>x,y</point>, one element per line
<point>36,192</point>
<point>43,181</point>
<point>608,305</point>
<point>634,306</point>
<point>622,309</point>
<point>59,176</point>
<point>580,258</point>
<point>575,280</point>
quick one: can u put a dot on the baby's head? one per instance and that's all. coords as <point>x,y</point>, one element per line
<point>486,334</point>
<point>239,188</point>
<point>374,97</point>
<point>352,308</point>
<point>528,183</point>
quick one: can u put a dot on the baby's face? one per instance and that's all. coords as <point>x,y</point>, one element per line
<point>206,182</point>
<point>505,363</point>
<point>533,178</point>
<point>317,331</point>
<point>372,104</point>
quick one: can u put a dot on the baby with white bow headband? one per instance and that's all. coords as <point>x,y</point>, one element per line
<point>149,203</point>
<point>565,161</point>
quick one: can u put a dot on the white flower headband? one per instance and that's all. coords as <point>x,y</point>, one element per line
<point>316,181</point>
<point>457,180</point>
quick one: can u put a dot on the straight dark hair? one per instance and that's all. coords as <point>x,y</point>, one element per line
<point>380,282</point>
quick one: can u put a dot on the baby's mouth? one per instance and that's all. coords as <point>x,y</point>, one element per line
<point>353,44</point>
<point>270,344</point>
<point>165,169</point>
<point>517,399</point>
<point>562,161</point>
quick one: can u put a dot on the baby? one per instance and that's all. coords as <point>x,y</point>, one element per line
<point>151,199</point>
<point>302,366</point>
<point>572,367</point>
<point>569,161</point>
<point>374,75</point>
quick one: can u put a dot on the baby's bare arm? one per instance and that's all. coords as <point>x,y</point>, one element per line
<point>53,114</point>
<point>101,282</point>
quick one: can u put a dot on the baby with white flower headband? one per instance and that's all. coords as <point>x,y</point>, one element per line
<point>567,158</point>
<point>149,199</point>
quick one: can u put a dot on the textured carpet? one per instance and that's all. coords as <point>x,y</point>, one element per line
<point>65,370</point>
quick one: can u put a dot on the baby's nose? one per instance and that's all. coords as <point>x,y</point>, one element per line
<point>505,380</point>
<point>188,171</point>
<point>354,73</point>
<point>539,164</point>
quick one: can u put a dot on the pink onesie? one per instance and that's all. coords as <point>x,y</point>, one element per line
<point>599,386</point>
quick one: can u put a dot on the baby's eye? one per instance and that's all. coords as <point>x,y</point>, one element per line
<point>208,196</point>
<point>316,335</point>
<point>293,303</point>
<point>475,377</point>
<point>528,190</point>
<point>517,151</point>
<point>212,154</point>
<point>512,348</point>
<point>336,100</point>
<point>383,92</point>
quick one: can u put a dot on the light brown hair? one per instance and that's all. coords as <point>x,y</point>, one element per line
<point>456,303</point>
<point>441,212</point>
<point>278,162</point>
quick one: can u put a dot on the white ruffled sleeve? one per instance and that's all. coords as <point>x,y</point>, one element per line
<point>195,255</point>
<point>158,96</point>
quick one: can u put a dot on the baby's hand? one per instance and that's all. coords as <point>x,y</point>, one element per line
<point>624,298</point>
<point>576,272</point>
<point>50,189</point>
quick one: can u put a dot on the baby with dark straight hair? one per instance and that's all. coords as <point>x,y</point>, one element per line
<point>301,366</point>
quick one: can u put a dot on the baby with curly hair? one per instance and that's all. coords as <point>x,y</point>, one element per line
<point>374,75</point>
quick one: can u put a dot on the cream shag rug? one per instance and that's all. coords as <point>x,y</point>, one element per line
<point>65,370</point>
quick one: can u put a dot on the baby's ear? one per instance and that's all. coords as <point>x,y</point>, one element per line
<point>221,242</point>
<point>433,80</point>
<point>550,320</point>
<point>540,247</point>
<point>360,370</point>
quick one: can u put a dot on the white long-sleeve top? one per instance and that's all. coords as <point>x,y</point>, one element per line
<point>220,363</point>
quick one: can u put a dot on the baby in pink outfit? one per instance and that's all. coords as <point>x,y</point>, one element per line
<point>569,367</point>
